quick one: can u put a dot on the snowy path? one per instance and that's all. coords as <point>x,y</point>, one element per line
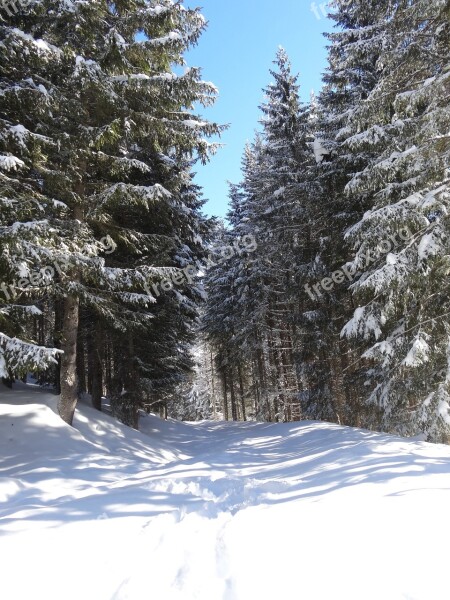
<point>215,511</point>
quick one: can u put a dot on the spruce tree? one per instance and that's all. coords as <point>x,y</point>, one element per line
<point>401,244</point>
<point>335,379</point>
<point>253,297</point>
<point>98,123</point>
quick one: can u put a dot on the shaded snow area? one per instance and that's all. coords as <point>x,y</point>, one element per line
<point>215,511</point>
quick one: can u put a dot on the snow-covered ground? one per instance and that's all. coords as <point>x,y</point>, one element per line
<point>215,511</point>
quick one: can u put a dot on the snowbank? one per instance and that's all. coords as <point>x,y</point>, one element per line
<point>215,510</point>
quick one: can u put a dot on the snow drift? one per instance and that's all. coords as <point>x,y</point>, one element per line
<point>215,510</point>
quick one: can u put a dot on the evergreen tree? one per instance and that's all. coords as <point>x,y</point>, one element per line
<point>252,297</point>
<point>401,244</point>
<point>20,352</point>
<point>280,197</point>
<point>334,378</point>
<point>100,128</point>
<point>196,399</point>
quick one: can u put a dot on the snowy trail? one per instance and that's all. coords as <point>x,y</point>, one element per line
<point>215,510</point>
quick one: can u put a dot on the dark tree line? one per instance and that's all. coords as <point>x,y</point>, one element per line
<point>341,314</point>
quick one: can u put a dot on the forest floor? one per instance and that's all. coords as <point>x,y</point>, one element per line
<point>215,511</point>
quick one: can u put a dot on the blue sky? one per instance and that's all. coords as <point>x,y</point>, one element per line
<point>236,53</point>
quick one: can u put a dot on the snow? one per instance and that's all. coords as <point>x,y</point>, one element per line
<point>215,510</point>
<point>428,246</point>
<point>20,353</point>
<point>194,124</point>
<point>29,309</point>
<point>319,150</point>
<point>20,133</point>
<point>419,352</point>
<point>39,44</point>
<point>81,63</point>
<point>156,10</point>
<point>146,192</point>
<point>123,78</point>
<point>10,163</point>
<point>173,36</point>
<point>213,88</point>
<point>371,137</point>
<point>444,411</point>
<point>58,204</point>
<point>362,323</point>
<point>165,77</point>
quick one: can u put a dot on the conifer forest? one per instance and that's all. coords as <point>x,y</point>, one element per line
<point>324,295</point>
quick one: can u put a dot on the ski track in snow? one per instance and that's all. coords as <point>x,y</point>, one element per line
<point>215,511</point>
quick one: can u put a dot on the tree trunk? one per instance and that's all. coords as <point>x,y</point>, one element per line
<point>276,372</point>
<point>69,335</point>
<point>214,403</point>
<point>264,395</point>
<point>225,393</point>
<point>163,414</point>
<point>69,387</point>
<point>81,358</point>
<point>97,368</point>
<point>130,401</point>
<point>234,414</point>
<point>57,342</point>
<point>242,393</point>
<point>256,387</point>
<point>108,362</point>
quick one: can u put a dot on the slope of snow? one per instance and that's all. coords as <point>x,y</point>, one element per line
<point>213,511</point>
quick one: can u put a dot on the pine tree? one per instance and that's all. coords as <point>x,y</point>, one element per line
<point>195,399</point>
<point>218,318</point>
<point>334,379</point>
<point>97,124</point>
<point>19,351</point>
<point>252,297</point>
<point>401,244</point>
<point>282,209</point>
